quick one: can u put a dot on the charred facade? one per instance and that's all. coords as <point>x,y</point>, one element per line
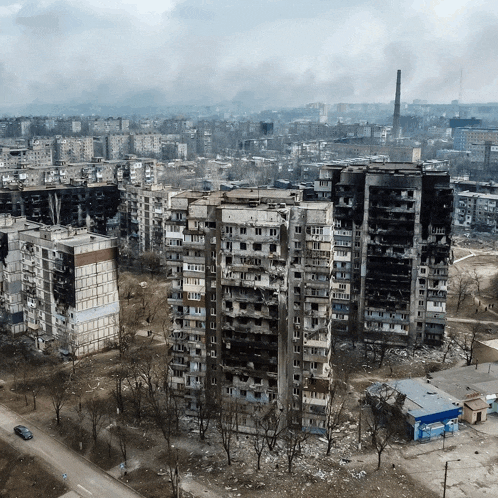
<point>392,245</point>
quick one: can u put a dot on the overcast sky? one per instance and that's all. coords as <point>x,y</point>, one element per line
<point>276,52</point>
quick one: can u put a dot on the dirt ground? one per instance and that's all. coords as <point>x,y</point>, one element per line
<point>408,469</point>
<point>22,476</point>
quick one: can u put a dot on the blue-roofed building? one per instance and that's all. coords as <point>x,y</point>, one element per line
<point>429,411</point>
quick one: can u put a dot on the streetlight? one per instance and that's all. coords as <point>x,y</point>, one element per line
<point>446,474</point>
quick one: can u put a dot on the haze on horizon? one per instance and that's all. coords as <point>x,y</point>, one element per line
<point>267,53</point>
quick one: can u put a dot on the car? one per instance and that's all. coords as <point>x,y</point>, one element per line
<point>23,432</point>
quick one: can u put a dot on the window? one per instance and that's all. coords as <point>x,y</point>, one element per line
<point>273,248</point>
<point>213,311</point>
<point>297,348</point>
<point>297,274</point>
<point>296,391</point>
<point>259,231</point>
<point>213,381</point>
<point>257,278</point>
<point>297,245</point>
<point>297,334</point>
<point>421,303</point>
<point>297,229</point>
<point>194,296</point>
<point>273,232</point>
<point>212,326</point>
<point>257,247</point>
<point>243,231</point>
<point>297,363</point>
<point>297,320</point>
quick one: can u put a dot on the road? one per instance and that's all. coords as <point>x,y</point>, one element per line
<point>471,320</point>
<point>84,478</point>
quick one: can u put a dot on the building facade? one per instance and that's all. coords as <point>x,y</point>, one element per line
<point>58,285</point>
<point>391,252</point>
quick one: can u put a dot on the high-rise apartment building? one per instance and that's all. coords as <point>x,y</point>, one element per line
<point>74,149</point>
<point>59,284</point>
<point>391,252</point>
<point>250,299</point>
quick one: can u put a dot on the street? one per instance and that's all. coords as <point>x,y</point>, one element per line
<point>82,477</point>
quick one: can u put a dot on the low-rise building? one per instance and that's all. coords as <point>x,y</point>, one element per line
<point>428,411</point>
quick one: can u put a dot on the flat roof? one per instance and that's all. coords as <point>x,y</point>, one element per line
<point>462,381</point>
<point>424,399</point>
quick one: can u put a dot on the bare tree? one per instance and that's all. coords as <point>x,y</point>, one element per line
<point>129,286</point>
<point>227,424</point>
<point>477,280</point>
<point>385,420</point>
<point>205,411</point>
<point>258,439</point>
<point>293,438</point>
<point>151,262</point>
<point>97,411</point>
<point>462,285</point>
<point>58,390</point>
<point>334,416</point>
<point>123,442</point>
<point>271,424</point>
<point>467,341</point>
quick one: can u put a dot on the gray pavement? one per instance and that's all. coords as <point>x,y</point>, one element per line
<point>83,478</point>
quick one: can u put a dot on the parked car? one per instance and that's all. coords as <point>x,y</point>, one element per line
<point>23,432</point>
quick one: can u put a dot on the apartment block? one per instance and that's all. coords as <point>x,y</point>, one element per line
<point>136,171</point>
<point>58,284</point>
<point>75,205</point>
<point>110,125</point>
<point>69,288</point>
<point>74,149</point>
<point>272,340</point>
<point>250,298</point>
<point>11,273</point>
<point>391,250</point>
<point>21,157</point>
<point>144,214</point>
<point>477,211</point>
<point>146,144</point>
<point>116,146</point>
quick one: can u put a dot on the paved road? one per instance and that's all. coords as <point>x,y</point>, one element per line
<point>82,477</point>
<point>471,320</point>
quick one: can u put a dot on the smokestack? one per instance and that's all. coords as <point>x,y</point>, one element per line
<point>397,107</point>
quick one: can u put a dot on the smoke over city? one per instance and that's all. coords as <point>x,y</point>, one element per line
<point>260,53</point>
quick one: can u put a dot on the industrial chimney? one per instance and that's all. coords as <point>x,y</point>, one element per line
<point>397,107</point>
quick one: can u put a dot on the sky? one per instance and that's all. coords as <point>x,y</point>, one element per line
<point>268,53</point>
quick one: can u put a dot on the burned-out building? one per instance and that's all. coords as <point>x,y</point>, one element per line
<point>250,297</point>
<point>392,245</point>
<point>58,284</point>
<point>76,205</point>
<point>69,287</point>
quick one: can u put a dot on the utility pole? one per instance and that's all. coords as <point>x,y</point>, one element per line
<point>446,475</point>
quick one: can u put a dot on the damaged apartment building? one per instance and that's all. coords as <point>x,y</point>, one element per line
<point>392,246</point>
<point>250,299</point>
<point>58,285</point>
<point>261,281</point>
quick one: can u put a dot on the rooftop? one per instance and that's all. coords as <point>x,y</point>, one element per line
<point>462,381</point>
<point>422,399</point>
